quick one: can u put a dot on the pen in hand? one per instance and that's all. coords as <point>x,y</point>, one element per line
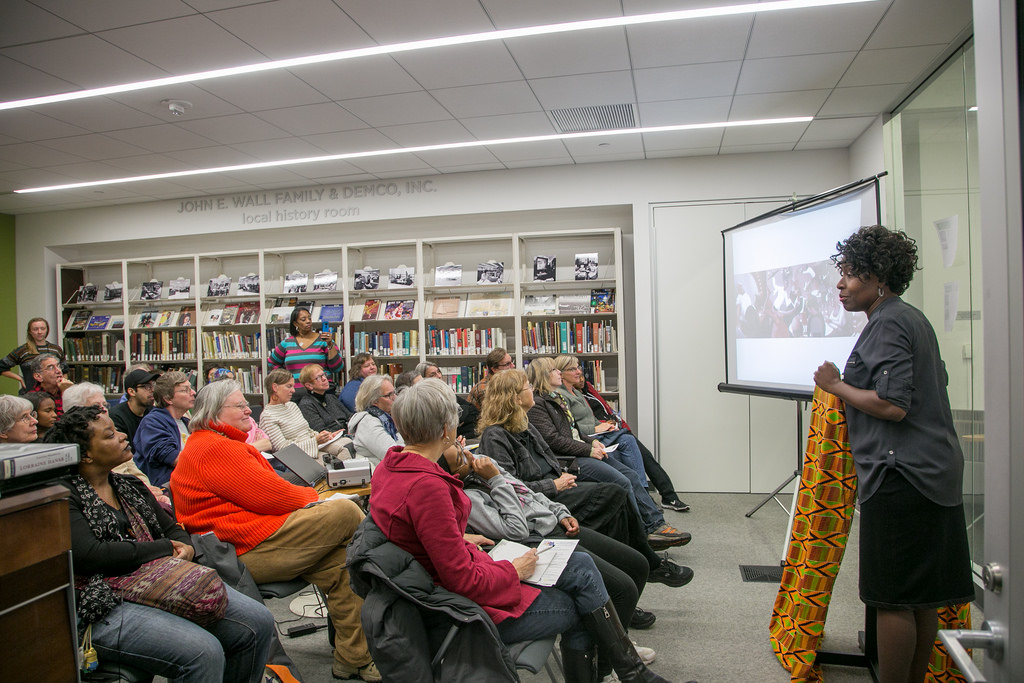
<point>545,547</point>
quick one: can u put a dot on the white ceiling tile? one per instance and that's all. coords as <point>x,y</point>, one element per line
<point>96,147</point>
<point>509,126</point>
<point>99,114</point>
<point>151,100</point>
<point>18,81</point>
<point>450,67</point>
<point>719,39</point>
<point>779,74</point>
<point>406,173</point>
<point>111,13</point>
<point>33,177</point>
<point>27,124</point>
<point>284,148</point>
<point>229,130</point>
<point>488,100</point>
<point>837,129</point>
<point>842,28</point>
<point>472,168</point>
<point>777,105</point>
<point>921,22</point>
<point>147,164</point>
<point>678,112</point>
<point>390,163</point>
<point>584,90</point>
<point>602,158</point>
<point>87,171</point>
<point>605,145</point>
<point>86,61</point>
<point>547,149</point>
<point>522,13</point>
<point>432,133</point>
<point>822,144</point>
<point>311,119</point>
<point>895,65</point>
<point>757,149</point>
<point>314,26</point>
<point>864,101</point>
<point>162,138</point>
<point>209,157</point>
<point>393,110</point>
<point>458,157</point>
<point>751,135</point>
<point>32,155</point>
<point>363,77</point>
<point>25,22</point>
<point>537,163</point>
<point>692,81</point>
<point>270,90</point>
<point>568,54</point>
<point>364,140</point>
<point>674,153</point>
<point>267,177</point>
<point>683,139</point>
<point>395,21</point>
<point>342,178</point>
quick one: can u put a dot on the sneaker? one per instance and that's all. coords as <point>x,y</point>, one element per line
<point>647,655</point>
<point>670,574</point>
<point>674,504</point>
<point>368,673</point>
<point>667,537</point>
<point>642,619</point>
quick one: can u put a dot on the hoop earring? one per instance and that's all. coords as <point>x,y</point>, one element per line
<point>881,292</point>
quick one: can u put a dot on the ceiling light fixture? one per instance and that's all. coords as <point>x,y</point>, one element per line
<point>631,20</point>
<point>414,150</point>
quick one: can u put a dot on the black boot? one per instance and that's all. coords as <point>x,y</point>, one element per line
<point>579,666</point>
<point>612,640</point>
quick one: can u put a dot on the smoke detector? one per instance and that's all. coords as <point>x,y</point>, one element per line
<point>177,107</point>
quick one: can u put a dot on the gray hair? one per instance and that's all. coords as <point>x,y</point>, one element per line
<point>78,394</point>
<point>422,411</point>
<point>422,368</point>
<point>11,408</point>
<point>370,391</point>
<point>209,402</point>
<point>37,362</point>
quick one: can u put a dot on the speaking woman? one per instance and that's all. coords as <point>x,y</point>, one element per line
<point>914,556</point>
<point>305,345</point>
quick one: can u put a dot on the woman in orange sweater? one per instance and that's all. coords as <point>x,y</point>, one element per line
<point>281,531</point>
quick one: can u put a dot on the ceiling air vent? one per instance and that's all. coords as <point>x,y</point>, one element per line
<point>604,117</point>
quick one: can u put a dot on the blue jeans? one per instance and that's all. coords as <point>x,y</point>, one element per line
<point>578,591</point>
<point>233,649</point>
<point>628,453</point>
<point>614,472</point>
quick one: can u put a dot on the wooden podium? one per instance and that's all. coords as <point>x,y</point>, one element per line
<point>37,601</point>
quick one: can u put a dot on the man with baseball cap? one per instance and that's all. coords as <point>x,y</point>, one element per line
<point>138,386</point>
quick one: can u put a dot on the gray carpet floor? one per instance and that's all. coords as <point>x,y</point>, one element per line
<point>715,630</point>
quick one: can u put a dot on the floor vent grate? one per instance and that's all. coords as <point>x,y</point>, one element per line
<point>753,573</point>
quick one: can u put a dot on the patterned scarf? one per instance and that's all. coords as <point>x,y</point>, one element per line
<point>564,405</point>
<point>385,419</point>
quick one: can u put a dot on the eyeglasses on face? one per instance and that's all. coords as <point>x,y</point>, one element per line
<point>319,377</point>
<point>28,417</point>
<point>239,406</point>
<point>508,364</point>
<point>390,394</point>
<point>184,390</point>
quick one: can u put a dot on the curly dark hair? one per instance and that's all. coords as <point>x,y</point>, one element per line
<point>74,426</point>
<point>889,255</point>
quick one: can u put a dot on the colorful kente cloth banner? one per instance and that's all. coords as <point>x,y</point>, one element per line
<point>821,526</point>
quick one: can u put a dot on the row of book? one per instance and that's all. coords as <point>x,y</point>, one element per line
<point>404,343</point>
<point>462,378</point>
<point>107,376</point>
<point>101,348</point>
<point>163,345</point>
<point>563,336</point>
<point>84,321</point>
<point>463,341</point>
<point>222,345</point>
<point>249,376</point>
<point>593,371</point>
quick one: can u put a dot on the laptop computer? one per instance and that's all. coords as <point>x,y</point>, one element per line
<point>302,469</point>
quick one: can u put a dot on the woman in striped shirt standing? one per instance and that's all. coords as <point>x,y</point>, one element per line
<point>305,346</point>
<point>35,344</point>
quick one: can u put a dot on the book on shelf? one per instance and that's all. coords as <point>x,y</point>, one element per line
<point>402,309</point>
<point>540,304</point>
<point>117,322</point>
<point>487,304</point>
<point>490,273</point>
<point>148,317</point>
<point>78,321</point>
<point>113,292</point>
<point>295,283</point>
<point>378,344</point>
<point>332,313</point>
<point>98,322</point>
<point>325,281</point>
<point>213,316</point>
<point>221,345</point>
<point>166,319</point>
<point>569,336</point>
<point>288,302</point>
<point>602,301</point>
<point>152,290</point>
<point>229,315</point>
<point>543,268</point>
<point>249,284</point>
<point>180,288</point>
<point>367,278</point>
<point>401,277</point>
<point>446,307</point>
<point>219,286</point>
<point>371,309</point>
<point>186,316</point>
<point>279,314</point>
<point>448,275</point>
<point>573,304</point>
<point>586,267</point>
<point>248,313</point>
<point>163,345</point>
<point>463,341</point>
<point>86,294</point>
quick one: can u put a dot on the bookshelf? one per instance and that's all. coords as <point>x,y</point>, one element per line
<point>452,318</point>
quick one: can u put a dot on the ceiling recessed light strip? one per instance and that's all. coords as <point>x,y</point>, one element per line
<point>507,34</point>
<point>414,150</point>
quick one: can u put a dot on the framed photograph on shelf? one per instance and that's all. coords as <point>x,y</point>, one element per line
<point>113,292</point>
<point>219,286</point>
<point>152,290</point>
<point>490,273</point>
<point>86,294</point>
<point>325,281</point>
<point>180,288</point>
<point>367,278</point>
<point>448,275</point>
<point>586,266</point>
<point>543,268</point>
<point>249,284</point>
<point>401,277</point>
<point>295,283</point>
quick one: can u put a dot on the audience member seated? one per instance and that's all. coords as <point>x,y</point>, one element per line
<point>283,421</point>
<point>550,414</point>
<point>132,368</point>
<point>46,412</point>
<point>497,360</point>
<point>422,509</point>
<point>363,366</point>
<point>163,431</point>
<point>372,429</point>
<point>407,379</point>
<point>281,531</point>
<point>503,507</point>
<point>594,415</point>
<point>21,357</point>
<point>138,386</point>
<point>508,437</point>
<point>305,345</point>
<point>17,420</point>
<point>50,379</point>
<point>321,411</point>
<point>469,414</point>
<point>116,527</point>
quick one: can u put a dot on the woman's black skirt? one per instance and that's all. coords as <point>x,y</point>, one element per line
<point>913,552</point>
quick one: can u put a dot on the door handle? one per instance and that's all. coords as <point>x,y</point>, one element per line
<point>990,638</point>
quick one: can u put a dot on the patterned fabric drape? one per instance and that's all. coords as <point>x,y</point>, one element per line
<point>821,526</point>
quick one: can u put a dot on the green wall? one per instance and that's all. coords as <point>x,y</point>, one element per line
<point>10,333</point>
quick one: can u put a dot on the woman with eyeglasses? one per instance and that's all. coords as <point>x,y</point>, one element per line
<point>497,361</point>
<point>284,423</point>
<point>371,428</point>
<point>17,420</point>
<point>320,410</point>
